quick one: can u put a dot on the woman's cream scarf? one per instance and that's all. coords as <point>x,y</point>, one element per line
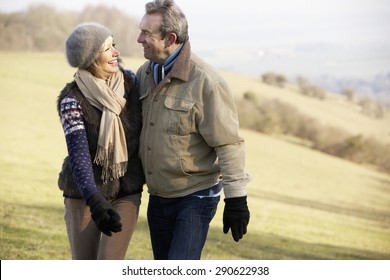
<point>108,98</point>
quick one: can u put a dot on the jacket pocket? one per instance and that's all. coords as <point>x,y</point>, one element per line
<point>179,116</point>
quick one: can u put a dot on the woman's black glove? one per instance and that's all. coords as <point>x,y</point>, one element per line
<point>106,218</point>
<point>236,217</point>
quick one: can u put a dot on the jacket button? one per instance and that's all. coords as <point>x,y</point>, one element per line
<point>150,172</point>
<point>151,123</point>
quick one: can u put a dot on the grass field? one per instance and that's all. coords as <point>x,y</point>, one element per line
<point>304,204</point>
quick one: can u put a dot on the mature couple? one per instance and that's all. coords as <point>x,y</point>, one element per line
<point>173,125</point>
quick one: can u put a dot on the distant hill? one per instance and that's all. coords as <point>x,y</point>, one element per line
<point>378,87</point>
<point>43,28</point>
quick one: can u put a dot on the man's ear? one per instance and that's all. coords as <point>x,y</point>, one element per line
<point>170,39</point>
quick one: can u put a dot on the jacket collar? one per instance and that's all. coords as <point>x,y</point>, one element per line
<point>181,68</point>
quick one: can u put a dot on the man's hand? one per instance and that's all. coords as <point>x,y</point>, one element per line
<point>236,217</point>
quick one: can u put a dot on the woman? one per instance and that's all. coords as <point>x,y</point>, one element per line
<point>102,176</point>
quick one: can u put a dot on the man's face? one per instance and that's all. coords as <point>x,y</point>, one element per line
<point>155,48</point>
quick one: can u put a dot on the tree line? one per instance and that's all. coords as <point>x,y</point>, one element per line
<point>367,105</point>
<point>42,28</point>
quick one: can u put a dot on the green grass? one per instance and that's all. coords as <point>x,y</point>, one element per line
<point>304,204</point>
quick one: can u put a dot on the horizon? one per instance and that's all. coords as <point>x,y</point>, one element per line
<point>324,38</point>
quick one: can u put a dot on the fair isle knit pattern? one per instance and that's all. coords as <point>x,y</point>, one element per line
<point>77,143</point>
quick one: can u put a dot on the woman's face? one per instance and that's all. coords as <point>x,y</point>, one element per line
<point>107,60</point>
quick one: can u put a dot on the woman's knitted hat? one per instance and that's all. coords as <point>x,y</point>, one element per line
<point>84,43</point>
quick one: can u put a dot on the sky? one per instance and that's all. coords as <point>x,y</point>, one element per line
<point>310,38</point>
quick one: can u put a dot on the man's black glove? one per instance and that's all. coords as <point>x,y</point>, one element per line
<point>236,217</point>
<point>106,218</point>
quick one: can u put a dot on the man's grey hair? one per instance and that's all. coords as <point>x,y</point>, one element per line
<point>173,19</point>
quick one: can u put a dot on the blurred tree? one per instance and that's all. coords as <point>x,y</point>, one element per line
<point>274,79</point>
<point>308,89</point>
<point>124,28</point>
<point>350,94</point>
<point>42,28</point>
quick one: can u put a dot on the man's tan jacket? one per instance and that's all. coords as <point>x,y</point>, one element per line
<point>190,139</point>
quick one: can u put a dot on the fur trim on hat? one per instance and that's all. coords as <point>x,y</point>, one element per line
<point>84,43</point>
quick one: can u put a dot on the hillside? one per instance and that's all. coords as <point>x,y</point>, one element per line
<point>334,111</point>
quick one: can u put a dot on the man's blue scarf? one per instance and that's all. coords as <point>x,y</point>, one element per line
<point>161,70</point>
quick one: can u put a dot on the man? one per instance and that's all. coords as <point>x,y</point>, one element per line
<point>189,145</point>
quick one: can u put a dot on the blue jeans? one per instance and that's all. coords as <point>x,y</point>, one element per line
<point>179,226</point>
